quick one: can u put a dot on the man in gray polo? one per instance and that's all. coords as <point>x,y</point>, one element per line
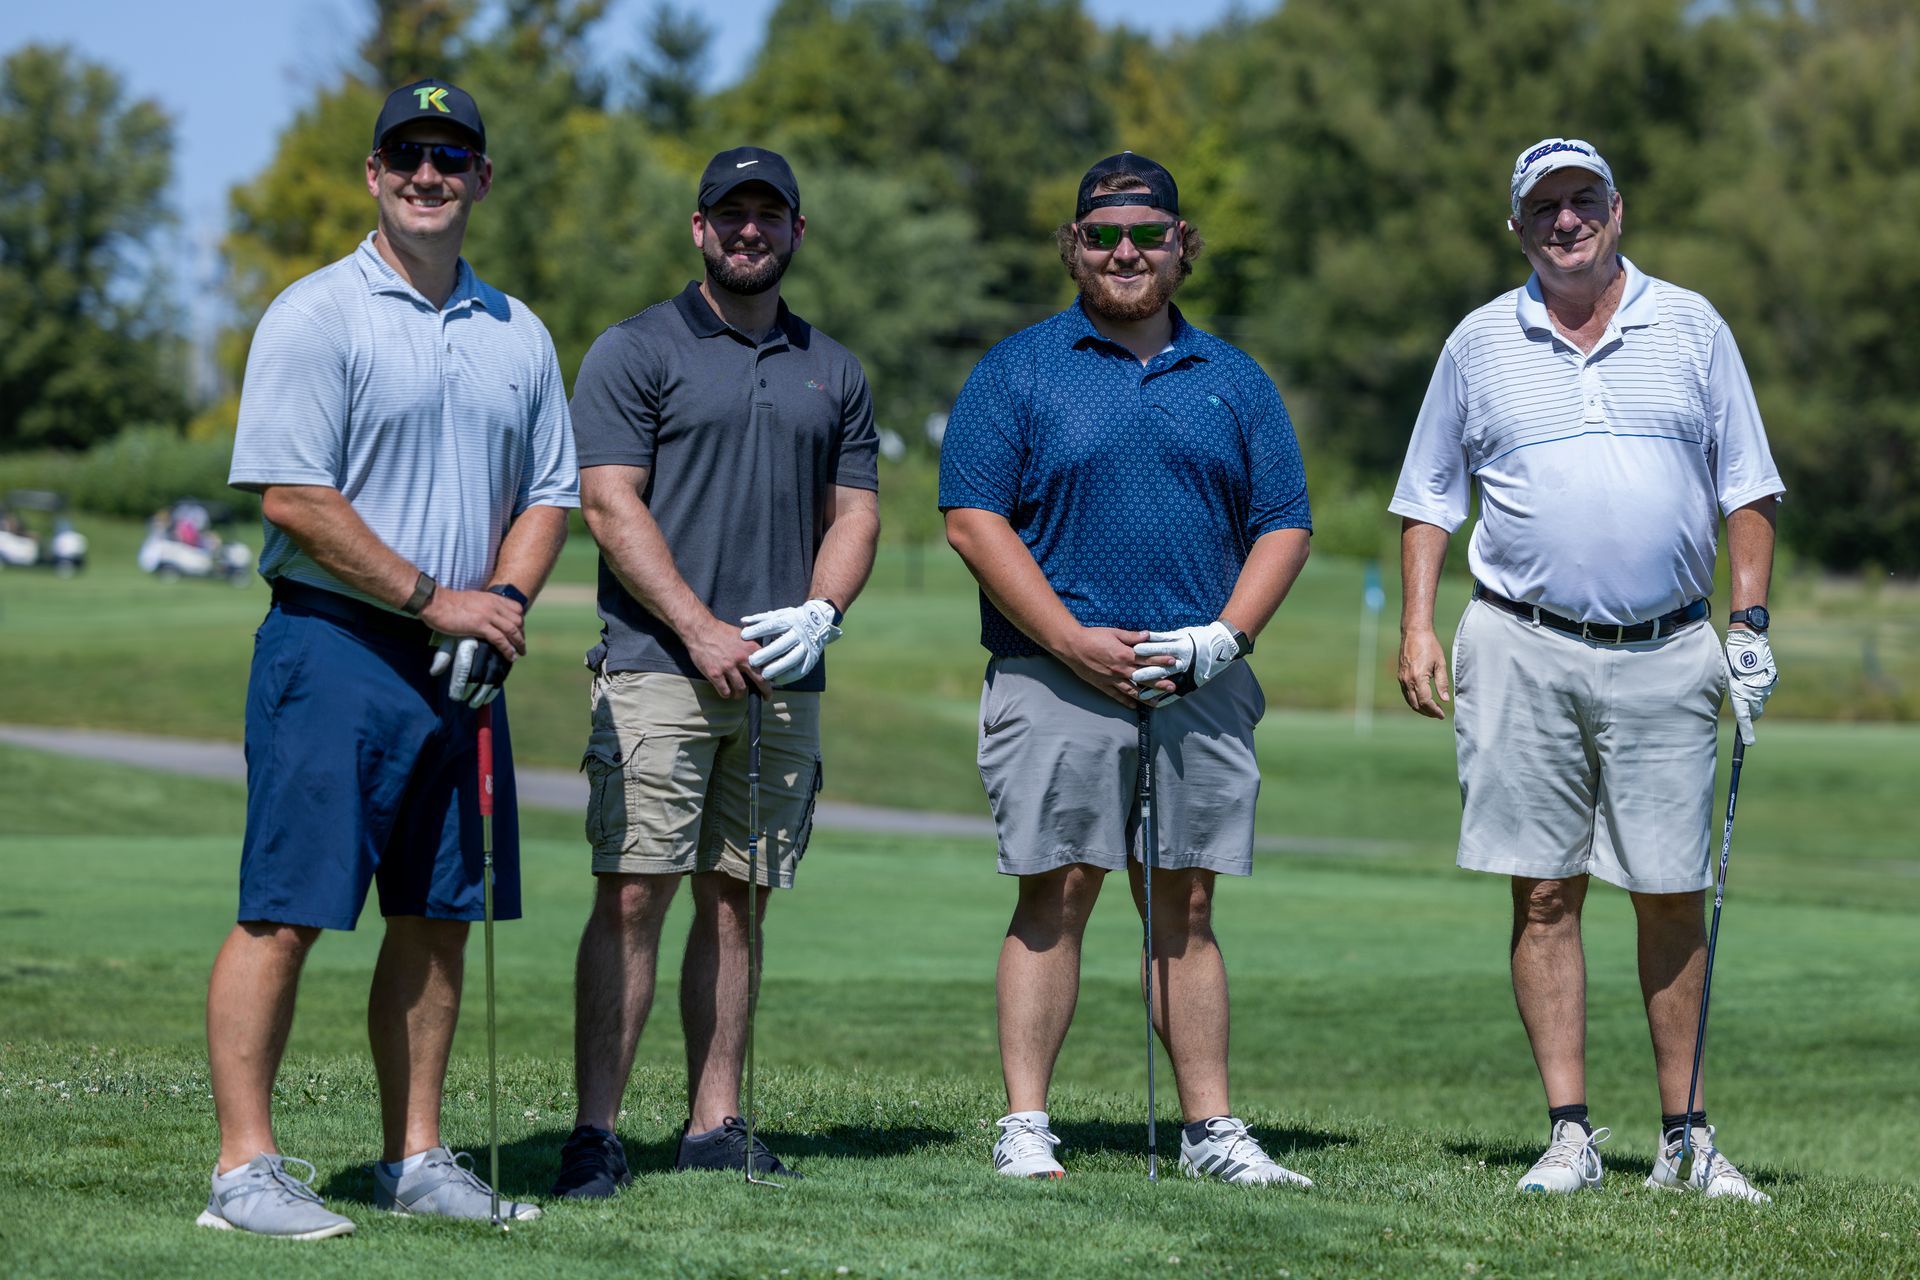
<point>727,453</point>
<point>1609,421</point>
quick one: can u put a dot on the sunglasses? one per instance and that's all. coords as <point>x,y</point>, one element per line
<point>1106,236</point>
<point>406,157</point>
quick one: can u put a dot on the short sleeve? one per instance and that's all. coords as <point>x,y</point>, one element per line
<point>293,404</point>
<point>616,403</point>
<point>1743,469</point>
<point>1435,486</point>
<point>982,453</point>
<point>858,466</point>
<point>1279,477</point>
<point>550,478</point>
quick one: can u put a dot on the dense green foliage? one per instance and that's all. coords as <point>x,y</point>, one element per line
<point>134,473</point>
<point>86,343</point>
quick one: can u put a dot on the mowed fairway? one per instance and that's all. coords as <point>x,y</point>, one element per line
<point>1375,1049</point>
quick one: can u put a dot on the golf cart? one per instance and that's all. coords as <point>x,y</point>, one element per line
<point>35,533</point>
<point>185,541</point>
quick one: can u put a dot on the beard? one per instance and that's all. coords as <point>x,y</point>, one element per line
<point>1096,296</point>
<point>745,283</point>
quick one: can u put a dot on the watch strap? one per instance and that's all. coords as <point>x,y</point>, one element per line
<point>512,593</point>
<point>423,588</point>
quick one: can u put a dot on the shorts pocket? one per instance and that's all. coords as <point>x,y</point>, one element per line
<point>1457,670</point>
<point>606,792</point>
<point>805,835</point>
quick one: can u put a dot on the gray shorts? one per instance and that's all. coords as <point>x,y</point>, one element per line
<point>1059,761</point>
<point>1582,758</point>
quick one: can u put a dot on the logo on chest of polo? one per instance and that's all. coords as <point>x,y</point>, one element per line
<point>815,385</point>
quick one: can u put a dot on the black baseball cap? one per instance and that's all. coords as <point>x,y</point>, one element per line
<point>740,165</point>
<point>1161,193</point>
<point>429,100</point>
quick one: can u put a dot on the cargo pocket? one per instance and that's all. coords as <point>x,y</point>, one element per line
<point>606,792</point>
<point>813,798</point>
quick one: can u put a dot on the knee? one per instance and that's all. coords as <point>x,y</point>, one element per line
<point>1545,906</point>
<point>1183,908</point>
<point>627,904</point>
<point>286,942</point>
<point>1670,912</point>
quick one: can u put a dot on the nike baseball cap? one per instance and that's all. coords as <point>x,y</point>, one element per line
<point>429,100</point>
<point>1161,192</point>
<point>740,165</point>
<point>1550,155</point>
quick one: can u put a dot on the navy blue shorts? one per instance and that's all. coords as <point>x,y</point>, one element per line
<point>360,770</point>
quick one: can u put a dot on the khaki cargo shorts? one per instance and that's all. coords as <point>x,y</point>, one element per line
<point>667,766</point>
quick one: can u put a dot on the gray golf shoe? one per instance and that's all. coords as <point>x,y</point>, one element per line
<point>263,1196</point>
<point>1712,1173</point>
<point>445,1186</point>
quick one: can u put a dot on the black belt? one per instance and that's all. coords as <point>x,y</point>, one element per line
<point>1603,632</point>
<point>300,597</point>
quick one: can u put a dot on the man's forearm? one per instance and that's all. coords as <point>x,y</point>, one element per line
<point>1269,573</point>
<point>1010,576</point>
<point>1423,549</point>
<point>1750,552</point>
<point>845,559</point>
<point>635,549</point>
<point>528,552</point>
<point>324,525</point>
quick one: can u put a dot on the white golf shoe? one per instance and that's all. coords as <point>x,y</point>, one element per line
<point>1571,1161</point>
<point>1228,1152</point>
<point>1025,1148</point>
<point>1712,1173</point>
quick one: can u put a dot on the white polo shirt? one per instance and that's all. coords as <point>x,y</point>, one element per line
<point>440,425</point>
<point>1603,475</point>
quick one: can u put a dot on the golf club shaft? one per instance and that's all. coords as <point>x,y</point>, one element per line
<point>1148,841</point>
<point>1713,938</point>
<point>486,875</point>
<point>753,899</point>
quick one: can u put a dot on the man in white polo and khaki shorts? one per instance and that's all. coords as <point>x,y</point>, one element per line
<point>1610,424</point>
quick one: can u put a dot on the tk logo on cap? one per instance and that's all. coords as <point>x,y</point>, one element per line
<point>432,97</point>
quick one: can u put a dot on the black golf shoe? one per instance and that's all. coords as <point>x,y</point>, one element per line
<point>593,1165</point>
<point>726,1148</point>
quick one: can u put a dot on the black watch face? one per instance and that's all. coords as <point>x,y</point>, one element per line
<point>1757,617</point>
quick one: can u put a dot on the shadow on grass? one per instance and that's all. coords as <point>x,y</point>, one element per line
<point>1129,1137</point>
<point>1502,1155</point>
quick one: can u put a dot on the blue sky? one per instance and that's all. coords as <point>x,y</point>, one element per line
<point>232,72</point>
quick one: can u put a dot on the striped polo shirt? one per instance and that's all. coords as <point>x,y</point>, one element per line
<point>438,425</point>
<point>1604,474</point>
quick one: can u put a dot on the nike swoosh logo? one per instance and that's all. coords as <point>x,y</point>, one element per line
<point>744,163</point>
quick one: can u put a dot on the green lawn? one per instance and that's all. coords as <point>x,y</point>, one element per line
<point>1376,1049</point>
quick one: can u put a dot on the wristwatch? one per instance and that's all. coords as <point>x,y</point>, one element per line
<point>1755,616</point>
<point>1240,640</point>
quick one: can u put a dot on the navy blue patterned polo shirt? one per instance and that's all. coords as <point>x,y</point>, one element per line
<point>1139,489</point>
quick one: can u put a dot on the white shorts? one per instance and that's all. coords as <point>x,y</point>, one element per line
<point>1582,758</point>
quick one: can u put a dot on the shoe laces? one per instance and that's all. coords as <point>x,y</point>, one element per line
<point>1027,1137</point>
<point>1240,1143</point>
<point>461,1168</point>
<point>280,1178</point>
<point>587,1143</point>
<point>1708,1164</point>
<point>1573,1149</point>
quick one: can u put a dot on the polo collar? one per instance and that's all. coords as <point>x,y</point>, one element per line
<point>1638,307</point>
<point>382,278</point>
<point>705,322</point>
<point>1184,345</point>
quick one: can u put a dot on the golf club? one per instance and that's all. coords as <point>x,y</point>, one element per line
<point>1148,840</point>
<point>486,877</point>
<point>1713,936</point>
<point>753,911</point>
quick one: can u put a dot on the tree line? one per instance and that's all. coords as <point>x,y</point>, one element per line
<point>1347,165</point>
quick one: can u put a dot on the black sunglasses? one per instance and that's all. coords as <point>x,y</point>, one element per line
<point>406,157</point>
<point>1106,236</point>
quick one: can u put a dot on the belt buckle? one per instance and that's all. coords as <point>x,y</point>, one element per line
<point>1619,633</point>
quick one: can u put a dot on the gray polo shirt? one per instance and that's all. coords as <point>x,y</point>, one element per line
<point>745,441</point>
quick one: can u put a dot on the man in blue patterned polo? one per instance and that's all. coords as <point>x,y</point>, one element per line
<point>1129,493</point>
<point>406,427</point>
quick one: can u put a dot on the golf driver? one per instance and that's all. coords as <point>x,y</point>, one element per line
<point>753,911</point>
<point>486,878</point>
<point>1148,841</point>
<point>1713,936</point>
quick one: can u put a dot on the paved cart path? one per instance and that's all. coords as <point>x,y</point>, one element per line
<point>559,789</point>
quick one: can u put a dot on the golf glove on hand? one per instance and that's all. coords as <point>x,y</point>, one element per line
<point>1199,654</point>
<point>476,668</point>
<point>792,640</point>
<point>1750,663</point>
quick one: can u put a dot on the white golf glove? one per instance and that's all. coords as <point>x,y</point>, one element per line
<point>792,640</point>
<point>1750,664</point>
<point>1199,654</point>
<point>477,669</point>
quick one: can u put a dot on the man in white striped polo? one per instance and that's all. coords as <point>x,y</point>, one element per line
<point>1609,421</point>
<point>406,426</point>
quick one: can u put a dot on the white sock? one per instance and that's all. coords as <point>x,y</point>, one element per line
<point>395,1172</point>
<point>1035,1117</point>
<point>231,1174</point>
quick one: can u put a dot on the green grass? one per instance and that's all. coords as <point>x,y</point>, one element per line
<point>1375,1047</point>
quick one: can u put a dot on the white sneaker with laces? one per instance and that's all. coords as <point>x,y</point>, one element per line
<point>1712,1172</point>
<point>1571,1161</point>
<point>1025,1148</point>
<point>1228,1152</point>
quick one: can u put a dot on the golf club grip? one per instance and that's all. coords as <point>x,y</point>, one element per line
<point>486,761</point>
